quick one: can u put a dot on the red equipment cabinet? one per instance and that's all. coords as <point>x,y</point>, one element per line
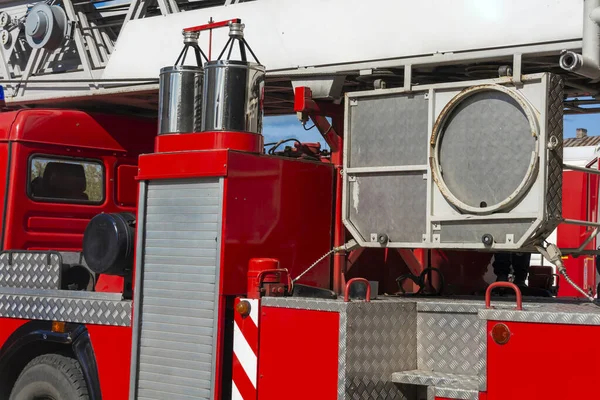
<point>512,376</point>
<point>204,215</point>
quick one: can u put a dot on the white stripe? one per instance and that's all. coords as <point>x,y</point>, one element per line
<point>244,354</point>
<point>253,310</point>
<point>235,393</point>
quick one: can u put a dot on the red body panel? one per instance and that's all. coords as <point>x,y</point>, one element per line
<point>191,164</point>
<point>266,217</point>
<point>240,141</point>
<point>112,347</point>
<point>8,326</point>
<point>313,363</point>
<point>580,201</point>
<point>532,366</point>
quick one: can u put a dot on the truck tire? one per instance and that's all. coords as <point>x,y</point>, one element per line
<point>51,377</point>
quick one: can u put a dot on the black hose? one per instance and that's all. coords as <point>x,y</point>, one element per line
<point>276,145</point>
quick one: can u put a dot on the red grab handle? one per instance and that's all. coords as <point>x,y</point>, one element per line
<point>488,293</point>
<point>352,281</point>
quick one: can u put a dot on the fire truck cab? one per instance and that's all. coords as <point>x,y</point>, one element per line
<point>58,169</point>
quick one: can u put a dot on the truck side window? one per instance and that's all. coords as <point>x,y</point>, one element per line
<point>66,179</point>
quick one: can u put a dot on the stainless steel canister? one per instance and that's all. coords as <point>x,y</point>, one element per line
<point>233,96</point>
<point>180,99</point>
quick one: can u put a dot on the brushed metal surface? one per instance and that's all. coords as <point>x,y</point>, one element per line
<point>233,96</point>
<point>178,316</point>
<point>30,269</point>
<point>180,99</point>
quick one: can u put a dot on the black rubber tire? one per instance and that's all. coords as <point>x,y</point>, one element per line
<point>50,377</point>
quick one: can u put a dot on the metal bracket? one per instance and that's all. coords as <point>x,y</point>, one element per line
<point>517,70</point>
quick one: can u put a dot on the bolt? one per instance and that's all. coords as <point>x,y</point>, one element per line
<point>382,238</point>
<point>487,239</point>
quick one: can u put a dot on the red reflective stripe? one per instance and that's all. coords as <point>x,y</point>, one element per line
<point>249,331</point>
<point>242,382</point>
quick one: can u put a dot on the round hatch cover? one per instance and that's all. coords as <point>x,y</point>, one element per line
<point>484,147</point>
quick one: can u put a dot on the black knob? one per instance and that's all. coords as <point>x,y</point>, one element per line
<point>382,238</point>
<point>487,239</point>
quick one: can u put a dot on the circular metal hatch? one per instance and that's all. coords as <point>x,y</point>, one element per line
<point>485,149</point>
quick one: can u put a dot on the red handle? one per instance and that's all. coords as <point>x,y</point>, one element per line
<point>213,25</point>
<point>488,293</point>
<point>353,280</point>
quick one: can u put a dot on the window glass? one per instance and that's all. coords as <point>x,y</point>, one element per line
<point>65,179</point>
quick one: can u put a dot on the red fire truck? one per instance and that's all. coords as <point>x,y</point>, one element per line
<point>186,262</point>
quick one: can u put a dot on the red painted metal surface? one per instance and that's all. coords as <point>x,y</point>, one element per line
<point>8,326</point>
<point>80,130</point>
<point>193,164</point>
<point>265,216</point>
<point>112,348</point>
<point>532,354</point>
<point>507,285</point>
<point>126,185</point>
<point>241,141</point>
<point>314,371</point>
<point>579,202</point>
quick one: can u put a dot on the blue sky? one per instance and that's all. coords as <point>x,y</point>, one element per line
<point>591,122</point>
<point>287,126</point>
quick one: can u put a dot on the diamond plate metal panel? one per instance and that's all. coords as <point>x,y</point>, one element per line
<point>450,343</point>
<point>389,131</point>
<point>448,393</point>
<point>561,313</point>
<point>448,306</point>
<point>79,310</point>
<point>380,340</point>
<point>428,378</point>
<point>305,303</point>
<point>33,270</point>
<point>555,157</point>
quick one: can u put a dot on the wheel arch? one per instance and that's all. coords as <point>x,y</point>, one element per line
<point>36,338</point>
